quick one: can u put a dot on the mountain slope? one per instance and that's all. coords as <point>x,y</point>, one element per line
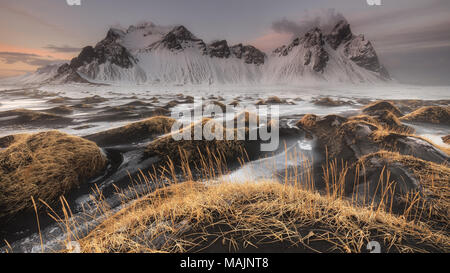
<point>150,54</point>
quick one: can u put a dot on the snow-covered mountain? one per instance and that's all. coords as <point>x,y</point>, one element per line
<point>150,54</point>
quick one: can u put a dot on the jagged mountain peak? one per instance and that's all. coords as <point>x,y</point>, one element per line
<point>219,49</point>
<point>178,39</point>
<point>249,53</point>
<point>181,32</point>
<point>341,33</point>
<point>310,39</point>
<point>317,47</point>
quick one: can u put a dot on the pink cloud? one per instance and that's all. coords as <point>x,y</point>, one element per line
<point>271,40</point>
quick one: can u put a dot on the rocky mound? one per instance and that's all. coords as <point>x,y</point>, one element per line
<point>45,166</point>
<point>350,139</point>
<point>134,132</point>
<point>430,114</point>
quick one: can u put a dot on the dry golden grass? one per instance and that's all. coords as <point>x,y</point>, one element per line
<point>135,131</point>
<point>430,114</point>
<point>8,140</point>
<point>44,165</point>
<point>271,216</point>
<point>192,217</point>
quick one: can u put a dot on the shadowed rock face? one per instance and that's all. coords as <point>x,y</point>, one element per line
<point>357,49</point>
<point>109,49</point>
<point>341,33</point>
<point>250,54</point>
<point>219,49</point>
<point>361,52</point>
<point>341,38</point>
<point>314,43</point>
<point>179,38</point>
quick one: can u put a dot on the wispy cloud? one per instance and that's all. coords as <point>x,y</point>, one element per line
<point>27,58</point>
<point>63,49</point>
<point>325,19</point>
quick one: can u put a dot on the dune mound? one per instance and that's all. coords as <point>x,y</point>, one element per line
<point>171,104</point>
<point>30,117</point>
<point>273,100</point>
<point>377,106</point>
<point>133,132</point>
<point>60,110</point>
<point>254,217</point>
<point>138,103</point>
<point>446,139</point>
<point>44,165</point>
<point>326,101</point>
<point>390,121</point>
<point>430,114</point>
<point>183,145</point>
<point>59,100</point>
<point>93,100</point>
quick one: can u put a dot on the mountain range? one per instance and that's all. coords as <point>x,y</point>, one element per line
<point>151,54</point>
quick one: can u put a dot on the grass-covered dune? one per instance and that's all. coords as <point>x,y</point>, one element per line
<point>253,217</point>
<point>44,166</point>
<point>134,131</point>
<point>430,114</point>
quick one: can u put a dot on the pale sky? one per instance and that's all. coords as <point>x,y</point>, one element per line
<point>412,37</point>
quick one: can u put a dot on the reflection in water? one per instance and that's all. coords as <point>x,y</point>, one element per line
<point>299,155</point>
